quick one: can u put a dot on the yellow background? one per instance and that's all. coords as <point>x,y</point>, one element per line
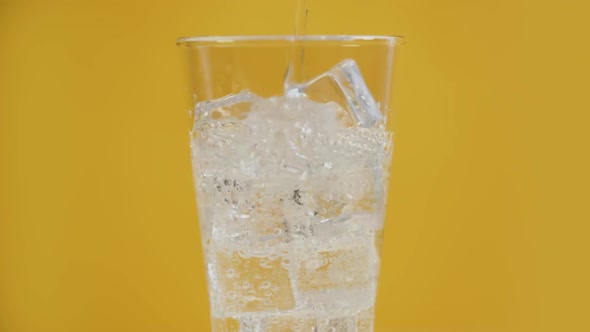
<point>487,225</point>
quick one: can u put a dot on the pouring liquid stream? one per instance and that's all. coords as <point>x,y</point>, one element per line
<point>296,71</point>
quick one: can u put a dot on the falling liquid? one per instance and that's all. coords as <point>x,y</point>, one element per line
<point>296,70</point>
<point>301,17</point>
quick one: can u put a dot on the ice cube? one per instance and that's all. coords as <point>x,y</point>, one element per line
<point>218,134</point>
<point>232,105</point>
<point>246,282</point>
<point>346,324</point>
<point>338,278</point>
<point>279,323</point>
<point>344,85</point>
<point>336,269</point>
<point>295,324</point>
<point>225,325</point>
<point>364,320</point>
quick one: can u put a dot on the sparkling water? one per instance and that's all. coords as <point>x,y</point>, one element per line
<point>291,193</point>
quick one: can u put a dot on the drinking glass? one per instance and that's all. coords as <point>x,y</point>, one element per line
<point>291,160</point>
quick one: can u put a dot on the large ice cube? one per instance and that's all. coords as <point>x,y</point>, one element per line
<point>243,282</point>
<point>338,277</point>
<point>364,320</point>
<point>291,323</point>
<point>217,133</point>
<point>335,269</point>
<point>344,85</point>
<point>279,323</point>
<point>225,325</point>
<point>232,105</point>
<point>346,324</point>
<point>308,321</point>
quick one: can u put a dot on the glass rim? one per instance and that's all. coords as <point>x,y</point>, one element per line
<point>225,40</point>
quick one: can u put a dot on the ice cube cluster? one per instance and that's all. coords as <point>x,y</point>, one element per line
<point>291,195</point>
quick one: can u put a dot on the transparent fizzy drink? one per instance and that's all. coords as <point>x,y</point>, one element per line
<point>291,194</point>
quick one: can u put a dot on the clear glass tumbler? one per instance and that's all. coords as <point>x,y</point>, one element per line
<point>291,163</point>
